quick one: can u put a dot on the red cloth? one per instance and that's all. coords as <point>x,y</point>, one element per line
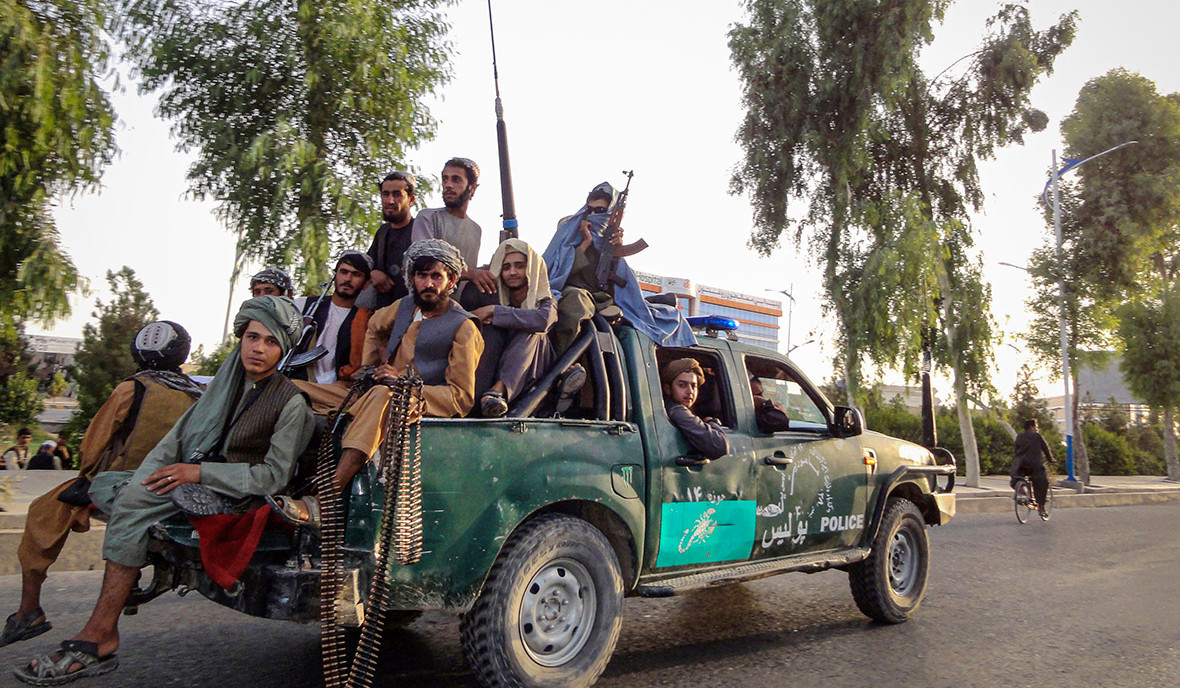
<point>228,542</point>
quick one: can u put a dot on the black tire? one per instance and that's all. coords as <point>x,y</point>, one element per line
<point>549,612</point>
<point>1022,498</point>
<point>889,585</point>
<point>1048,508</point>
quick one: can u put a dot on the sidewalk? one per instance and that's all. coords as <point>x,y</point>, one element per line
<point>83,551</point>
<point>995,496</point>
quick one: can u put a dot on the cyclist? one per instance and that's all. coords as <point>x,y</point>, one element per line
<point>1031,454</point>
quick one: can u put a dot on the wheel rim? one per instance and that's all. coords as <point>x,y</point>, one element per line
<point>557,612</point>
<point>903,562</point>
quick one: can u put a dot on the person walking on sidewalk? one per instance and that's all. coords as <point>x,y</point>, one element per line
<point>1031,454</point>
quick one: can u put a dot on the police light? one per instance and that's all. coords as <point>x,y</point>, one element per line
<point>714,323</point>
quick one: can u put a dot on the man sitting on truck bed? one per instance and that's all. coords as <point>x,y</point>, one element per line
<point>516,326</point>
<point>118,438</point>
<point>682,379</point>
<point>240,440</point>
<point>427,332</point>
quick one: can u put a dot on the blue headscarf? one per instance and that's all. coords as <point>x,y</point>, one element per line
<point>664,324</point>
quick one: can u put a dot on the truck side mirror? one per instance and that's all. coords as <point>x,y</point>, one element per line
<point>848,422</point>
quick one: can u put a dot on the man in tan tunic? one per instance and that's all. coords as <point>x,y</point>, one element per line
<point>117,439</point>
<point>426,333</point>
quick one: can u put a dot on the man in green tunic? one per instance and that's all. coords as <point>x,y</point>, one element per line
<point>249,453</point>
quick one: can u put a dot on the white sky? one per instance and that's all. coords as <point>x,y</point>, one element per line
<point>644,85</point>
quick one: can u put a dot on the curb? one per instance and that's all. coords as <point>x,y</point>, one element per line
<point>1000,502</point>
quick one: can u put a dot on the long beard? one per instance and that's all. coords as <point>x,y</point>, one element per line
<point>429,306</point>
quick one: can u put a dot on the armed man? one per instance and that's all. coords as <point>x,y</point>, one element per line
<point>587,270</point>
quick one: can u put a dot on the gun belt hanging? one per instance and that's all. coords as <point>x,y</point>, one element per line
<point>401,533</point>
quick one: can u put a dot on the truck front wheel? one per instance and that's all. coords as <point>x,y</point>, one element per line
<point>890,584</point>
<point>549,612</point>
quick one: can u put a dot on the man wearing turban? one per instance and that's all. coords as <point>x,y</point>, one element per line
<point>516,342</point>
<point>426,333</point>
<point>239,441</point>
<point>681,380</point>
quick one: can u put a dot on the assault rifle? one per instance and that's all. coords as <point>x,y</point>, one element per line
<point>299,356</point>
<point>608,260</point>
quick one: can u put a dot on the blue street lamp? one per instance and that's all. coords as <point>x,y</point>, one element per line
<point>1070,163</point>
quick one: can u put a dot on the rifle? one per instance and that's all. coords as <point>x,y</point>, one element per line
<point>298,356</point>
<point>608,259</point>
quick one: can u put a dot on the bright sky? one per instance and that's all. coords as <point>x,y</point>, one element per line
<point>637,85</point>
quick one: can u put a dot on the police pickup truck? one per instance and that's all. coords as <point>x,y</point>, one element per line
<point>535,527</point>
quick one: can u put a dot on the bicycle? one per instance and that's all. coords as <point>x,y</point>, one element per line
<point>1025,501</point>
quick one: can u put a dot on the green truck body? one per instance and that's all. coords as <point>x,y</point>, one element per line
<point>822,494</point>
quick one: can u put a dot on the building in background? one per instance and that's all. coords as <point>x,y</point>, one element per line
<point>757,316</point>
<point>1098,388</point>
<point>50,354</point>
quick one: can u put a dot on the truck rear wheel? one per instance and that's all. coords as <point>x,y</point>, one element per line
<point>549,612</point>
<point>890,584</point>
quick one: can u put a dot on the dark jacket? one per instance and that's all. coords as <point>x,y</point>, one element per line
<point>1031,453</point>
<point>706,437</point>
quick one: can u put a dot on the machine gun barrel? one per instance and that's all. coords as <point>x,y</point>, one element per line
<point>509,226</point>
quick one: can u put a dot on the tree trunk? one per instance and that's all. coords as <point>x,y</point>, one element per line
<point>1081,459</point>
<point>995,414</point>
<point>1170,444</point>
<point>966,429</point>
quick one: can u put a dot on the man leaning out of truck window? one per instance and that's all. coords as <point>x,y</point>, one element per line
<point>682,380</point>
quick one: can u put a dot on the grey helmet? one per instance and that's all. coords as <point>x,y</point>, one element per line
<point>162,345</point>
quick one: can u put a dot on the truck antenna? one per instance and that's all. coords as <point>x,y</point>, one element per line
<point>509,228</point>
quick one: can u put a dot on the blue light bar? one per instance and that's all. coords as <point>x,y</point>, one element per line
<point>712,322</point>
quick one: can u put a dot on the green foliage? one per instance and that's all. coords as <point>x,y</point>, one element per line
<point>1150,330</point>
<point>891,417</point>
<point>56,135</point>
<point>104,358</point>
<point>1129,201</point>
<point>293,110</point>
<point>1027,403</point>
<point>209,364</point>
<point>1110,454</point>
<point>58,385</point>
<point>14,353</point>
<point>841,118</point>
<point>20,402</point>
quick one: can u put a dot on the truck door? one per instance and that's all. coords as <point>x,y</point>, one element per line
<point>812,485</point>
<point>702,512</point>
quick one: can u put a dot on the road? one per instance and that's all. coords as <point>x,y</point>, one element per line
<point>1089,598</point>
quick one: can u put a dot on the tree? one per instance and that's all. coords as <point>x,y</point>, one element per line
<point>1119,212</point>
<point>209,364</point>
<point>56,136</point>
<point>841,116</point>
<point>1150,329</point>
<point>294,109</point>
<point>104,358</point>
<point>20,401</point>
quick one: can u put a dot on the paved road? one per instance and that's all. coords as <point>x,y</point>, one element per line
<point>1087,599</point>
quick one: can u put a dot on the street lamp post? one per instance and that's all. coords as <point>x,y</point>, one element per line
<point>1056,174</point>
<point>790,312</point>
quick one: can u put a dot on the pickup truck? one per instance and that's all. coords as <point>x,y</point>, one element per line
<point>537,526</point>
